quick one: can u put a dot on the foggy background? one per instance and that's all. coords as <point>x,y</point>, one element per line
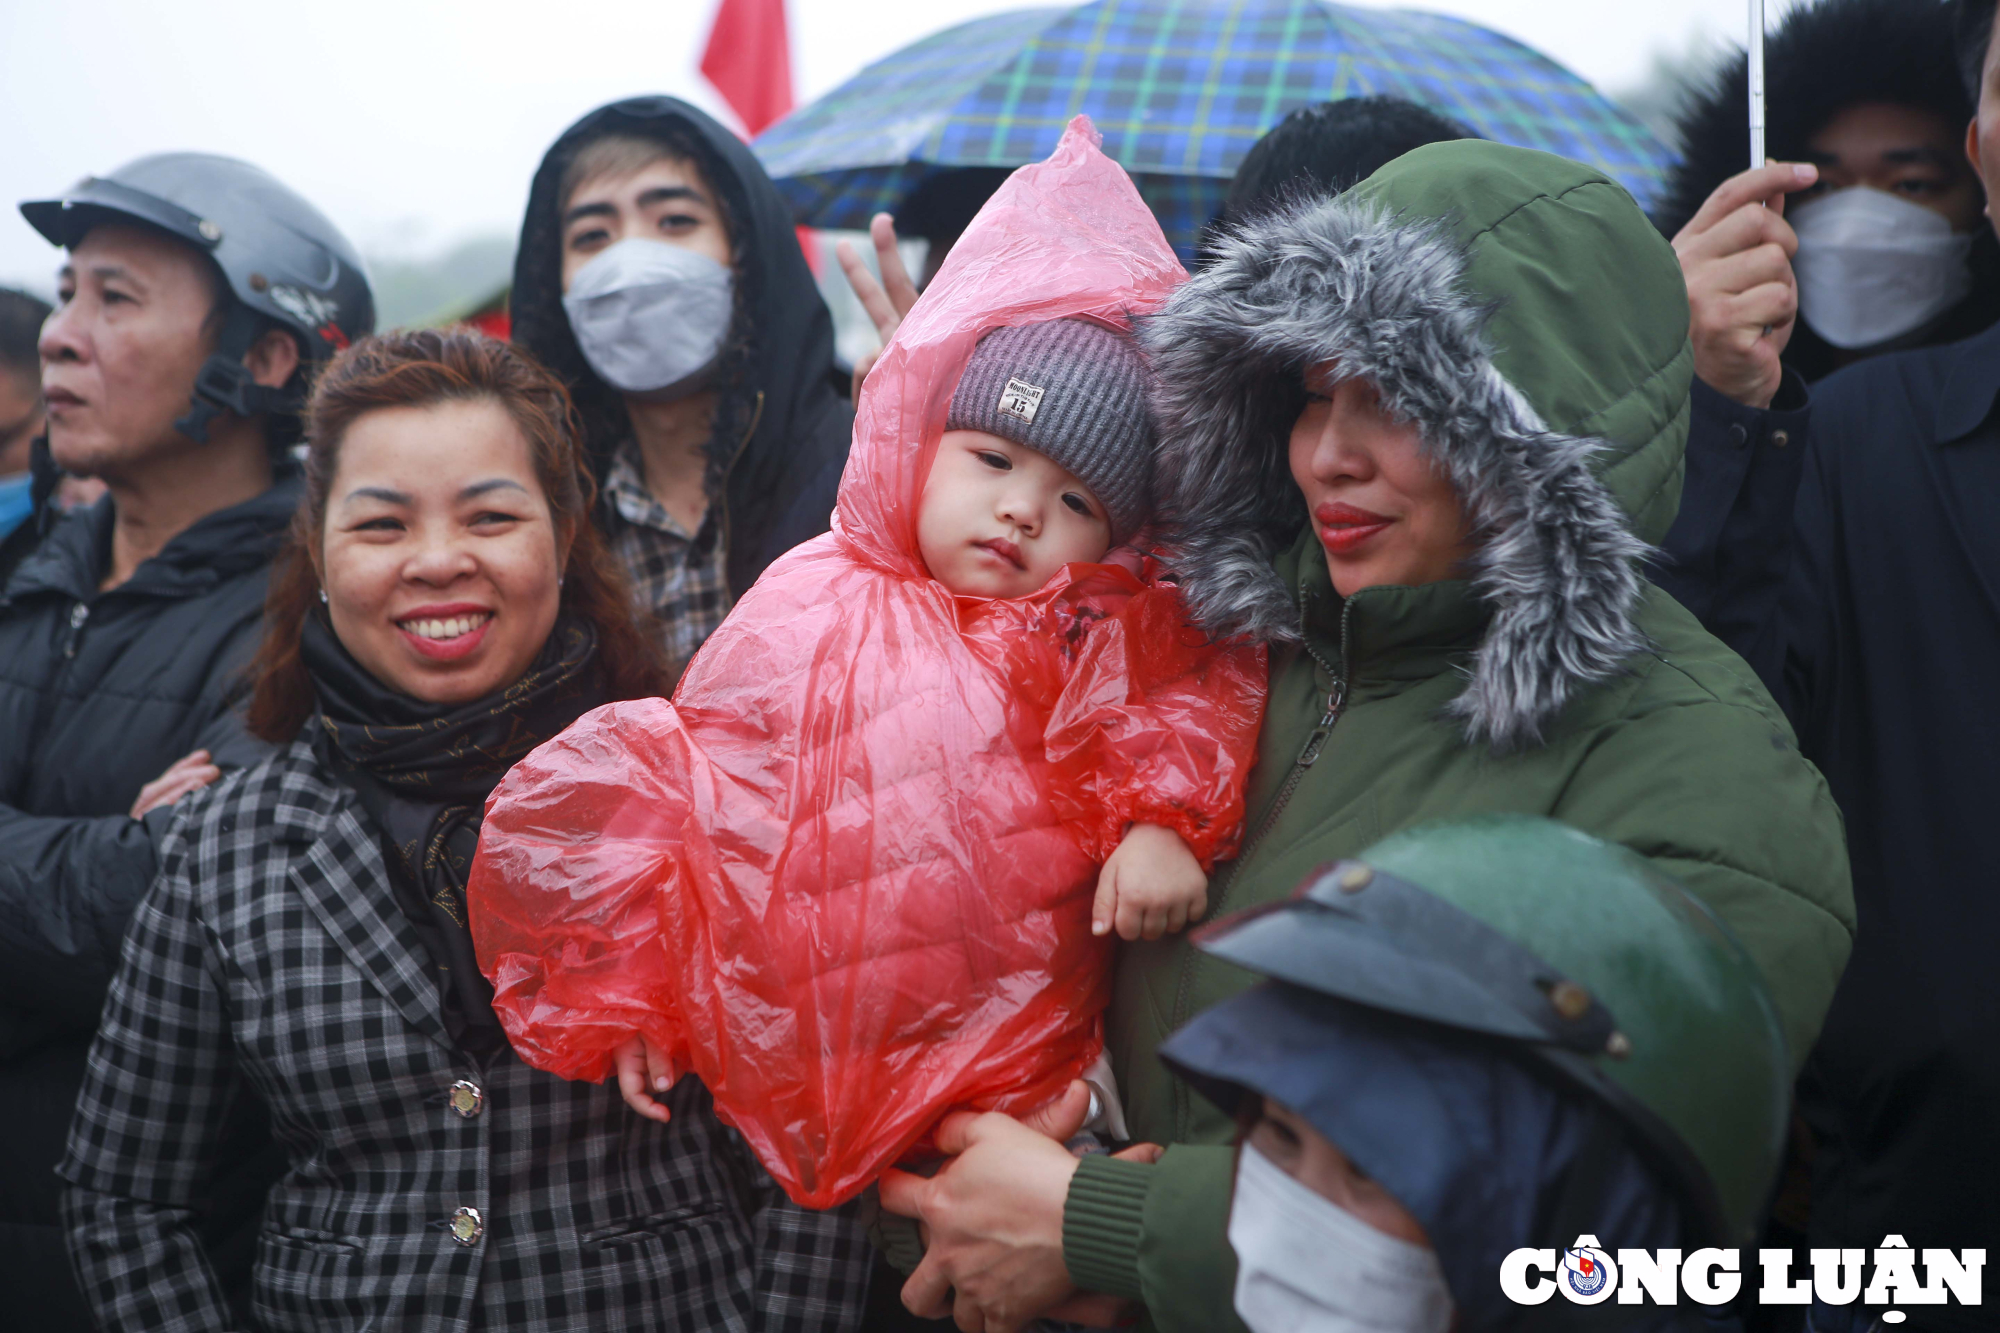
<point>416,124</point>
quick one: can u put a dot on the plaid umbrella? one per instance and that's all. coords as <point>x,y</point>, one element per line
<point>1180,89</point>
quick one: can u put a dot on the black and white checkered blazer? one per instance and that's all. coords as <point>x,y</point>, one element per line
<point>270,961</point>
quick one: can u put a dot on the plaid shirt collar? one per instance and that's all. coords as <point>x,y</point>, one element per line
<point>625,486</point>
<point>679,579</point>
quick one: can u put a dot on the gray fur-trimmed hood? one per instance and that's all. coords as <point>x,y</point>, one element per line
<point>1521,311</point>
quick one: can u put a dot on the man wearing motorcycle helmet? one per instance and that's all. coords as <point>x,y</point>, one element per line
<point>195,295</point>
<point>1480,1036</point>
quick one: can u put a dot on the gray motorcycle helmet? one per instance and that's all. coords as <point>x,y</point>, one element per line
<point>285,263</point>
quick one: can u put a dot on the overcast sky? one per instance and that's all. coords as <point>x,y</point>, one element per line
<point>416,123</point>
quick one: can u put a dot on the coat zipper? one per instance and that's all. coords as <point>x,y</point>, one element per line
<point>1336,701</point>
<point>58,679</point>
<point>1336,704</point>
<point>77,615</point>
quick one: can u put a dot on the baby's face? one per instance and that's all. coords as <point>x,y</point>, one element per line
<point>998,519</point>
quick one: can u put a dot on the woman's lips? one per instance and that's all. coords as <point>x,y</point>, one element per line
<point>1004,550</point>
<point>1344,529</point>
<point>444,634</point>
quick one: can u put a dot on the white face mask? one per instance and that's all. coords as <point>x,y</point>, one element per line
<point>1307,1265</point>
<point>650,316</point>
<point>1872,267</point>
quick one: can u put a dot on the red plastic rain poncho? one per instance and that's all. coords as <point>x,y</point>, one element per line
<point>846,876</point>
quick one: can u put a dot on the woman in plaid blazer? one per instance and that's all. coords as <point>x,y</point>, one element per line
<point>304,956</point>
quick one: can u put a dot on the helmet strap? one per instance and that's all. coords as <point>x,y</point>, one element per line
<point>224,383</point>
<point>1578,1207</point>
<point>1578,1211</point>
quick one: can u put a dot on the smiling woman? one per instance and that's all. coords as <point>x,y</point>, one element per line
<point>439,555</point>
<point>444,529</point>
<point>444,606</point>
<point>1383,511</point>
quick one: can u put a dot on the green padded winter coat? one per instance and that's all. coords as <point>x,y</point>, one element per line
<point>1521,311</point>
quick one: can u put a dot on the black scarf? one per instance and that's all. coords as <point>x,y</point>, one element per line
<point>423,773</point>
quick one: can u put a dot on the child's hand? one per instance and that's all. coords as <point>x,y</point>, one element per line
<point>644,1075</point>
<point>1151,886</point>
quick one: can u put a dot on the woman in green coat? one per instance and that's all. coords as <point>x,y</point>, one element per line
<point>1418,438</point>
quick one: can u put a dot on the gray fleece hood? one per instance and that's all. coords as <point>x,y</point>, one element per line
<point>1521,311</point>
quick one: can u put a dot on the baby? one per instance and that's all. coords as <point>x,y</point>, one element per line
<point>863,869</point>
<point>1046,461</point>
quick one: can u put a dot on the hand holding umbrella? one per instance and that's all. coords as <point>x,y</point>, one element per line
<point>1736,254</point>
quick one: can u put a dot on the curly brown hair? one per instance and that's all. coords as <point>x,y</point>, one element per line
<point>420,368</point>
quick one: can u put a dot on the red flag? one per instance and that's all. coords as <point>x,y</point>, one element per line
<point>749,60</point>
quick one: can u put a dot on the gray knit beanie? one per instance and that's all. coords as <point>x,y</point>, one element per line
<point>1074,392</point>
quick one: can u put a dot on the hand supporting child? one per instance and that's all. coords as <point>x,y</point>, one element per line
<point>1152,885</point>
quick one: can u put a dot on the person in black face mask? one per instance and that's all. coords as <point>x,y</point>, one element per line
<point>659,276</point>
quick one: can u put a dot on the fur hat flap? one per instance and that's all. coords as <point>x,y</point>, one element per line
<point>1392,295</point>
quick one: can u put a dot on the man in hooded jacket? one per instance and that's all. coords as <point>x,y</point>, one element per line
<point>1862,581</point>
<point>660,276</point>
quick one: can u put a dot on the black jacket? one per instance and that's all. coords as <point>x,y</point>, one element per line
<point>1875,619</point>
<point>99,693</point>
<point>783,426</point>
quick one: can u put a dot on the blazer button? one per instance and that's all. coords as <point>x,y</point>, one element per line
<point>467,1099</point>
<point>1781,438</point>
<point>467,1226</point>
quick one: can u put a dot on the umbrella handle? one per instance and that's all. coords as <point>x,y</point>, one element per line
<point>1756,54</point>
<point>1755,51</point>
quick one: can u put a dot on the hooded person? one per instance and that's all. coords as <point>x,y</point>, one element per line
<point>1475,1038</point>
<point>1891,250</point>
<point>1865,235</point>
<point>1857,571</point>
<point>846,876</point>
<point>1417,436</point>
<point>660,277</point>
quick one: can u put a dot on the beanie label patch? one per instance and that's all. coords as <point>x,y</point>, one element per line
<point>1021,399</point>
